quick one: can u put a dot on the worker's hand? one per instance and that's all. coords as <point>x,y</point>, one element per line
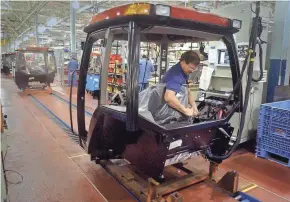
<point>188,112</point>
<point>195,111</point>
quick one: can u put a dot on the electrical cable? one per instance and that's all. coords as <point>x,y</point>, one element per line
<point>70,109</point>
<point>261,63</point>
<point>246,62</point>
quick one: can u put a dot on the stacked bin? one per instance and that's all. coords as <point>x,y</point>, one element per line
<point>273,135</point>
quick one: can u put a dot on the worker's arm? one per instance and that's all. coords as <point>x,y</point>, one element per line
<point>171,99</point>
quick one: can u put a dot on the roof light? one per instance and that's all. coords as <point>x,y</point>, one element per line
<point>118,13</point>
<point>137,9</point>
<point>236,23</point>
<point>163,10</point>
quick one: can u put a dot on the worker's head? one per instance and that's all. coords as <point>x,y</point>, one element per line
<point>189,61</point>
<point>73,56</point>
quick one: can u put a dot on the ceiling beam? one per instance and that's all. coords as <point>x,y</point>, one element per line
<point>11,26</point>
<point>33,11</point>
<point>14,9</point>
<point>12,29</point>
<point>25,31</point>
<point>13,12</point>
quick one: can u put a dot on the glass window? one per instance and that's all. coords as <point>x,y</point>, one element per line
<point>50,63</point>
<point>35,62</point>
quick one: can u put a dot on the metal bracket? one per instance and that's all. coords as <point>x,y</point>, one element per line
<point>229,182</point>
<point>174,197</point>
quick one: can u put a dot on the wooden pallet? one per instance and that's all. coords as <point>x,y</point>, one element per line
<point>176,177</point>
<point>30,91</point>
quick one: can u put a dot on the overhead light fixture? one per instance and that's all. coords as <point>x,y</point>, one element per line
<point>163,10</point>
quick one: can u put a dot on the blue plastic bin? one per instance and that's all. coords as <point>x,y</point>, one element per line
<point>243,197</point>
<point>273,134</point>
<point>93,82</point>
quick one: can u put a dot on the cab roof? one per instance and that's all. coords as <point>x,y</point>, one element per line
<point>146,14</point>
<point>10,53</point>
<point>36,49</point>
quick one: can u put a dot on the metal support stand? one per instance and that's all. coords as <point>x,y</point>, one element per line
<point>212,170</point>
<point>38,89</point>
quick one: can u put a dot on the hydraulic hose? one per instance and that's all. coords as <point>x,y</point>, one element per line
<point>251,53</point>
<point>260,61</point>
<point>70,108</point>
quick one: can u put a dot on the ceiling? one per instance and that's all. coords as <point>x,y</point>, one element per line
<point>53,17</point>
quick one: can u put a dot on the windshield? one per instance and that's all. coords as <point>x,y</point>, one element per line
<point>36,63</point>
<point>163,47</point>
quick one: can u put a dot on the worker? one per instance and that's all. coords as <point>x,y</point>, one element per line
<point>72,66</point>
<point>175,77</point>
<point>145,67</point>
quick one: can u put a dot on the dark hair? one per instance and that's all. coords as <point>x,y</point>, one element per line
<point>144,56</point>
<point>190,57</point>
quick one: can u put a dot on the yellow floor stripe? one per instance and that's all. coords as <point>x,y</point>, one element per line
<point>78,156</point>
<point>250,188</point>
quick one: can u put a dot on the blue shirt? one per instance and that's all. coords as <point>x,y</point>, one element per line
<point>72,65</point>
<point>144,70</point>
<point>174,78</point>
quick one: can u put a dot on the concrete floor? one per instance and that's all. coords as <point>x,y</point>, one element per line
<point>54,168</point>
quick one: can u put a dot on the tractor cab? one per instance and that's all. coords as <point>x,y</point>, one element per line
<point>8,63</point>
<point>130,130</point>
<point>35,67</point>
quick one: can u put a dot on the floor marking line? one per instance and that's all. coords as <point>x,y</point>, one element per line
<point>90,181</point>
<point>260,187</point>
<point>71,157</point>
<point>249,188</point>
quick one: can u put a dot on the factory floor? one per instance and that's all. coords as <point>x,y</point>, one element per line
<point>55,168</point>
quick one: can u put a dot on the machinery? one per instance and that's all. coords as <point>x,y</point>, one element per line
<point>127,132</point>
<point>35,68</point>
<point>221,78</point>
